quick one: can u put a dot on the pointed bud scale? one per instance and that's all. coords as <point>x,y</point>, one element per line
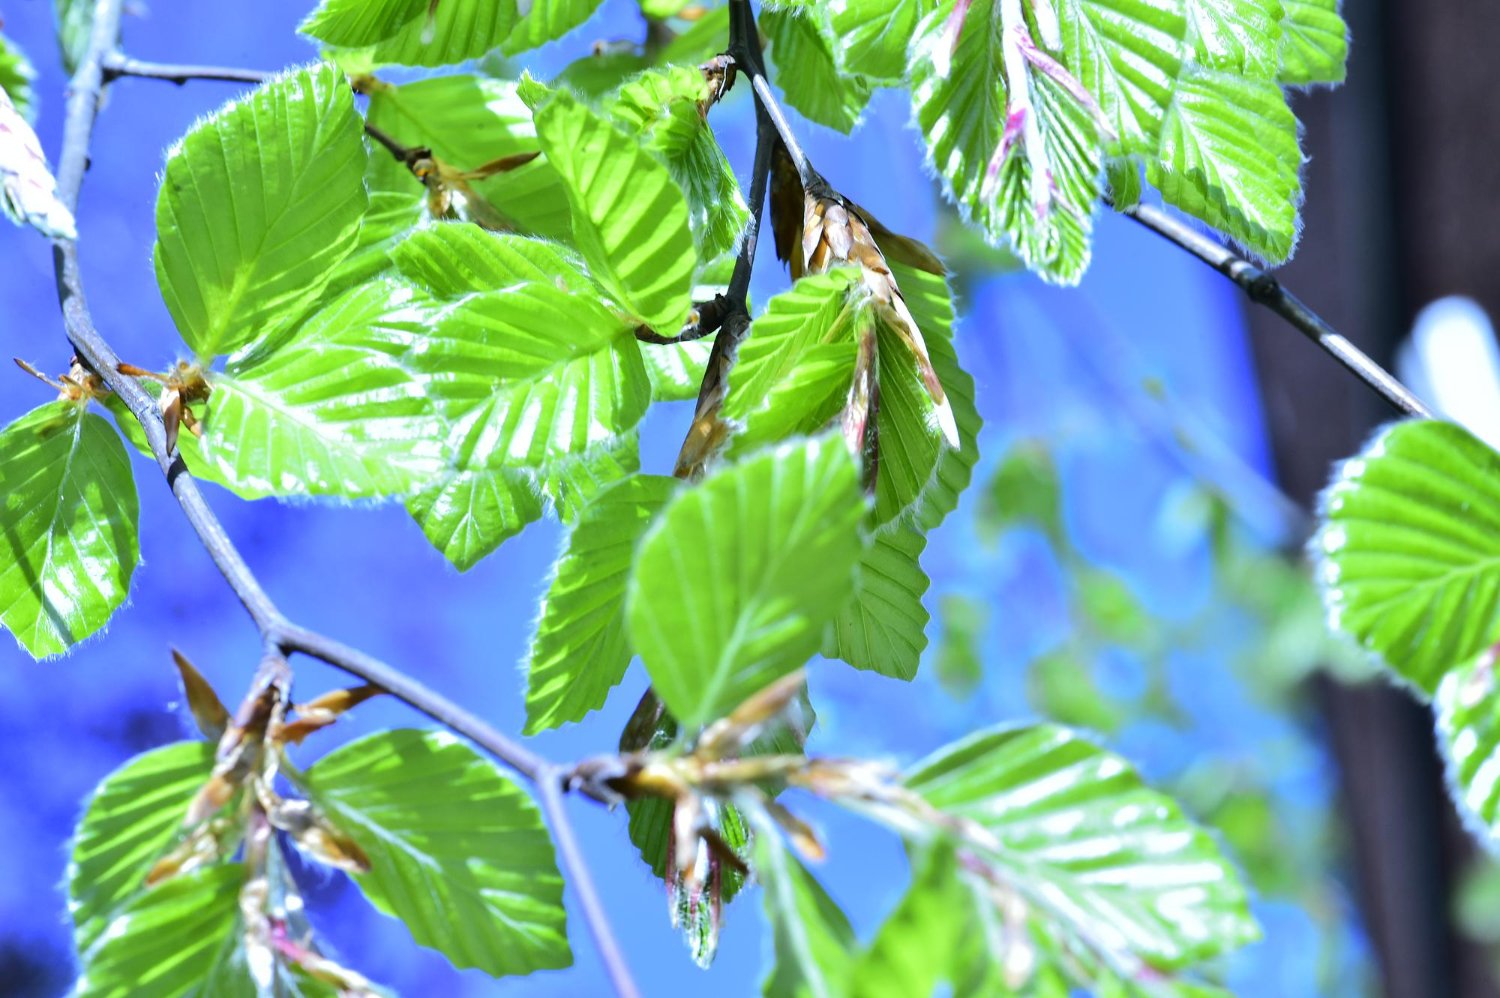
<point>209,712</point>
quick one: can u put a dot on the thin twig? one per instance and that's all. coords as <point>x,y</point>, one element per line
<point>745,47</point>
<point>549,789</point>
<point>116,65</point>
<point>1264,289</point>
<point>276,630</point>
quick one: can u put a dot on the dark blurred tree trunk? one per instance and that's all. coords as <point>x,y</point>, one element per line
<point>1403,191</point>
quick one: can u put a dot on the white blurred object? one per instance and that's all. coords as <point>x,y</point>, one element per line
<point>1453,362</point>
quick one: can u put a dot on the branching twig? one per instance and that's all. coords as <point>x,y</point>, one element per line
<point>1264,289</point>
<point>116,65</point>
<point>550,791</point>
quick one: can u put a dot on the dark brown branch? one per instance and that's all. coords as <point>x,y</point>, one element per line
<point>708,317</point>
<point>1264,289</point>
<point>550,792</point>
<point>116,65</point>
<point>745,47</point>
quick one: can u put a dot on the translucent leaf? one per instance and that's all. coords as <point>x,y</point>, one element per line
<point>630,220</point>
<point>734,584</point>
<point>1468,726</point>
<point>360,22</point>
<point>1025,172</point>
<point>259,202</point>
<point>917,946</point>
<point>1091,850</point>
<point>676,370</point>
<point>171,941</point>
<point>28,191</point>
<point>811,940</point>
<point>468,121</point>
<point>571,483</point>
<point>873,35</point>
<point>1237,36</point>
<point>68,513</point>
<point>1127,53</point>
<point>452,260</point>
<point>130,820</point>
<point>467,515</point>
<point>17,78</point>
<point>884,629</point>
<point>334,411</point>
<point>1410,549</point>
<point>459,30</point>
<point>580,650</point>
<point>1229,155</point>
<point>459,852</point>
<point>801,46</point>
<point>665,107</point>
<point>547,20</point>
<point>1314,42</point>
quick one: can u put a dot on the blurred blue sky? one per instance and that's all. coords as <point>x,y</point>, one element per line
<point>1047,362</point>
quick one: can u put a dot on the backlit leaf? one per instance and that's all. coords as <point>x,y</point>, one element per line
<point>1314,42</point>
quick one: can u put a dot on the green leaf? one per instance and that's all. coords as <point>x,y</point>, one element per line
<point>1468,727</point>
<point>802,48</point>
<point>917,945</point>
<point>630,220</point>
<point>334,411</point>
<point>1237,36</point>
<point>873,35</point>
<point>531,374</point>
<point>18,78</point>
<point>69,515</point>
<point>1107,861</point>
<point>452,260</point>
<point>571,483</point>
<point>884,628</point>
<point>360,22</point>
<point>676,370</point>
<point>1314,42</point>
<point>1035,191</point>
<point>960,668</point>
<point>469,121</point>
<point>546,21</point>
<point>172,941</point>
<point>75,29</point>
<point>665,108</point>
<point>259,202</point>
<point>131,819</point>
<point>812,942</point>
<point>458,851</point>
<point>580,651</point>
<point>1127,53</point>
<point>734,584</point>
<point>460,30</point>
<point>467,515</point>
<point>1229,155</point>
<point>1410,549</point>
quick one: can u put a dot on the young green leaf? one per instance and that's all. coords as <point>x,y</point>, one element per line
<point>171,941</point>
<point>467,515</point>
<point>733,586</point>
<point>1107,862</point>
<point>812,943</point>
<point>130,820</point>
<point>1468,726</point>
<point>630,219</point>
<point>665,107</point>
<point>360,22</point>
<point>468,121</point>
<point>259,202</point>
<point>452,260</point>
<point>884,628</point>
<point>28,191</point>
<point>918,945</point>
<point>17,78</point>
<point>676,369</point>
<point>547,20</point>
<point>1410,549</point>
<point>872,35</point>
<point>1237,36</point>
<point>68,513</point>
<point>580,650</point>
<point>457,31</point>
<point>572,482</point>
<point>802,47</point>
<point>1126,53</point>
<point>334,411</point>
<point>458,851</point>
<point>1229,155</point>
<point>1314,42</point>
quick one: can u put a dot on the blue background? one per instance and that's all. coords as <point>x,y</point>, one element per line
<point>1146,313</point>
